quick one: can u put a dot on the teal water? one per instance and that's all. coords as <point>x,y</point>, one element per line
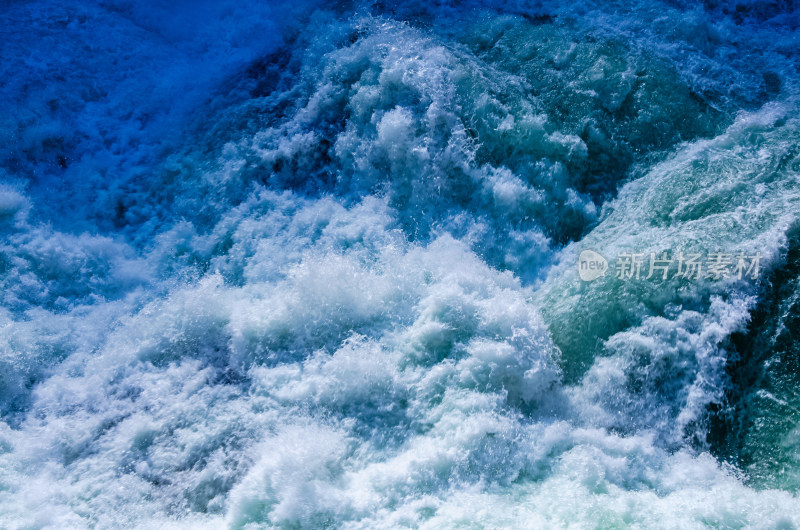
<point>314,265</point>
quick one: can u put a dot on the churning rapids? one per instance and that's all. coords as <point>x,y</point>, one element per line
<point>313,264</point>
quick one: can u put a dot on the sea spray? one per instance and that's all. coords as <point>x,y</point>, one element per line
<point>317,266</point>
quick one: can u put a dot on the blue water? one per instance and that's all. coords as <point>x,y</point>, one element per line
<point>313,265</point>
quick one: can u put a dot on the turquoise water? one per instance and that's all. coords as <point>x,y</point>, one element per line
<point>314,266</point>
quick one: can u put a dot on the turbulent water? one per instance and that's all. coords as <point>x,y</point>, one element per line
<point>313,264</point>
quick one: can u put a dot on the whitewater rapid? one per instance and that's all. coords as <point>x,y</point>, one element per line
<point>314,266</point>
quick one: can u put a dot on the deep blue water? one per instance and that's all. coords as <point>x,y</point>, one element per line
<point>316,265</point>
